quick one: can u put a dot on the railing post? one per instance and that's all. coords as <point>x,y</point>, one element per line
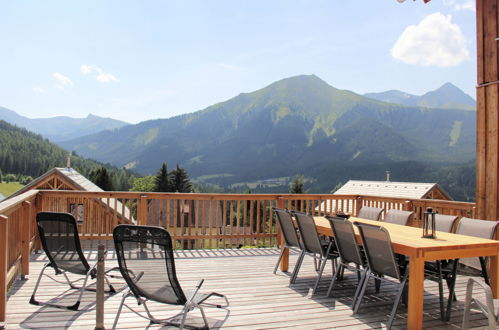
<point>38,208</point>
<point>99,291</point>
<point>26,218</point>
<point>142,210</point>
<point>358,204</point>
<point>3,268</point>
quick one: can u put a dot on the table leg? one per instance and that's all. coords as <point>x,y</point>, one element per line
<point>285,256</point>
<point>416,293</point>
<point>494,275</point>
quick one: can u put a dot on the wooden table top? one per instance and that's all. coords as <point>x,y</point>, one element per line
<point>408,241</point>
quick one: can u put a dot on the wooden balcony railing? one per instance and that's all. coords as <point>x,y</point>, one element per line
<point>16,241</point>
<point>195,221</point>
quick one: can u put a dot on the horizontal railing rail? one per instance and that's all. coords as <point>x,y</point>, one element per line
<point>195,221</point>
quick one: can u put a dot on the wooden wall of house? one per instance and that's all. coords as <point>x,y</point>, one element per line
<point>487,188</point>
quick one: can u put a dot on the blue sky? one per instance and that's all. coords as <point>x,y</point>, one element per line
<point>140,60</point>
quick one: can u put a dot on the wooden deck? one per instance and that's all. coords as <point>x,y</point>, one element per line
<point>258,299</point>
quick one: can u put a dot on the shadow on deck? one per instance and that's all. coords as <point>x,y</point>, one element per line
<point>258,299</point>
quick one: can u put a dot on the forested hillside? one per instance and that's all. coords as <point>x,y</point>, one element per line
<point>23,152</point>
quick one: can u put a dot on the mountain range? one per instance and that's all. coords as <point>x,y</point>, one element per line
<point>447,96</point>
<point>291,126</point>
<point>61,128</point>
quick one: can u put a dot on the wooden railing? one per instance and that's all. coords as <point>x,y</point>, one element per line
<point>195,221</point>
<point>16,241</point>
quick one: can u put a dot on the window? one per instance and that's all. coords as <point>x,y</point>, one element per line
<point>78,213</point>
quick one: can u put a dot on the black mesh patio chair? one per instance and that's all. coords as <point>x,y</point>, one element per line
<point>370,213</point>
<point>288,230</point>
<point>381,263</point>
<point>471,227</point>
<point>312,246</point>
<point>60,241</point>
<point>146,262</point>
<point>350,254</point>
<point>398,217</point>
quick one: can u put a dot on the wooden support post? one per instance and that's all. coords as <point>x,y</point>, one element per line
<point>26,223</point>
<point>99,292</point>
<point>487,154</point>
<point>3,268</point>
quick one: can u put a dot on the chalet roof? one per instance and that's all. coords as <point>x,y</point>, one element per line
<point>412,190</point>
<point>78,180</point>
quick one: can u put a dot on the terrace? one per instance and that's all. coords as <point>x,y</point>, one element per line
<point>232,243</point>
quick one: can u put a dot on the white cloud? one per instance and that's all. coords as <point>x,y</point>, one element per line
<point>86,69</point>
<point>39,90</point>
<point>435,41</point>
<point>458,5</point>
<point>62,80</point>
<point>100,76</point>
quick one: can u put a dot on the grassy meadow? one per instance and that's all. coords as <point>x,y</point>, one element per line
<point>8,189</point>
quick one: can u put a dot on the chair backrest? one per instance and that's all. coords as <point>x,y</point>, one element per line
<point>288,228</point>
<point>61,243</point>
<point>378,249</point>
<point>370,213</point>
<point>308,233</point>
<point>398,217</point>
<point>477,228</point>
<point>146,261</point>
<point>445,222</point>
<point>346,243</point>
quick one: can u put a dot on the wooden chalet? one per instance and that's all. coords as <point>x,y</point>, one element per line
<point>66,178</point>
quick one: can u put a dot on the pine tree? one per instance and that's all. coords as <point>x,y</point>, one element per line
<point>102,179</point>
<point>297,186</point>
<point>162,181</point>
<point>179,180</point>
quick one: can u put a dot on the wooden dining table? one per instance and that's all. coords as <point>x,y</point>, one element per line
<point>407,240</point>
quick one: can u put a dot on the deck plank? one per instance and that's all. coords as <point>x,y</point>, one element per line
<point>259,299</point>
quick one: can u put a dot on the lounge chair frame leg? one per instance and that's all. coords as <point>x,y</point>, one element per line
<point>73,307</point>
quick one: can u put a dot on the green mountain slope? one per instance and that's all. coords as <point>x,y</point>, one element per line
<point>286,128</point>
<point>447,96</point>
<point>61,128</point>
